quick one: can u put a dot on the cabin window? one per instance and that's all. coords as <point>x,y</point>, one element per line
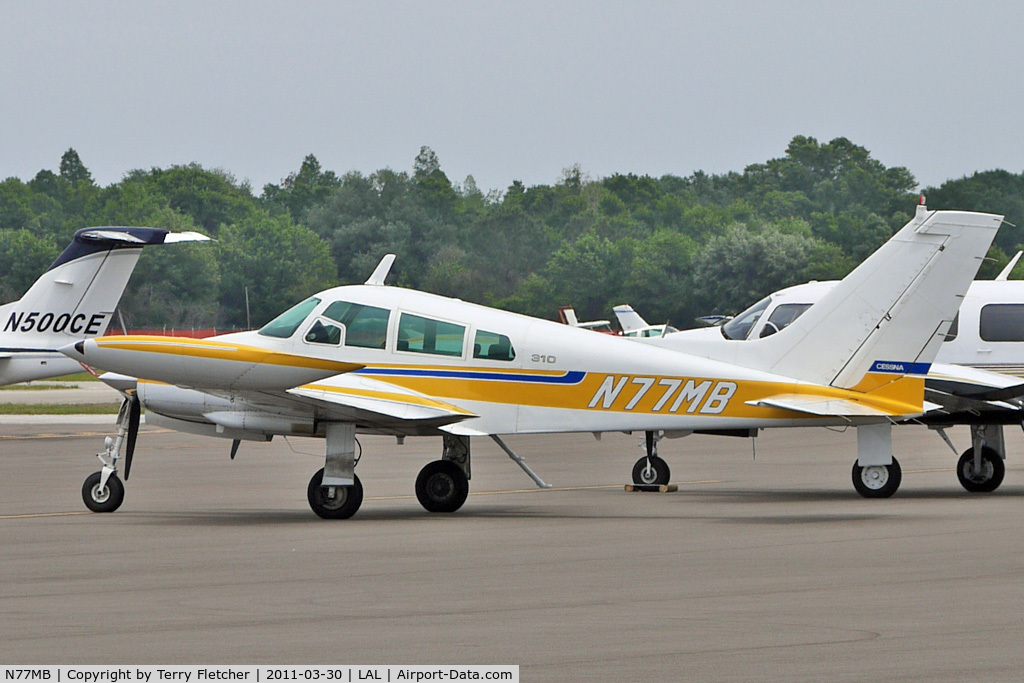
<point>322,332</point>
<point>424,335</point>
<point>781,317</point>
<point>954,328</point>
<point>493,346</point>
<point>1002,322</point>
<point>284,325</point>
<point>365,326</point>
<point>739,327</point>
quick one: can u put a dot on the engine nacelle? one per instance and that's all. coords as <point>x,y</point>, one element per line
<point>231,417</point>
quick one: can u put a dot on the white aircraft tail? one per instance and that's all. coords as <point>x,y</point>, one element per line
<point>628,318</point>
<point>890,314</point>
<point>76,297</point>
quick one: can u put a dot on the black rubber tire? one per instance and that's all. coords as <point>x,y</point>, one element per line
<point>442,486</point>
<point>105,500</point>
<point>991,476</point>
<point>642,475</point>
<point>873,483</point>
<point>345,503</point>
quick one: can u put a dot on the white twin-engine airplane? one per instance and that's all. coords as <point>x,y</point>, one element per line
<point>385,360</point>
<point>76,297</point>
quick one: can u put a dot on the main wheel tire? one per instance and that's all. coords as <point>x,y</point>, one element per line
<point>342,505</point>
<point>106,499</point>
<point>988,479</point>
<point>877,481</point>
<point>442,486</point>
<point>653,473</point>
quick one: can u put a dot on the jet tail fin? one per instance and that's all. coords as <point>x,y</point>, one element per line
<point>77,295</point>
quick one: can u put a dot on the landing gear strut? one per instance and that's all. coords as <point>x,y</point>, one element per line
<point>335,492</point>
<point>651,470</point>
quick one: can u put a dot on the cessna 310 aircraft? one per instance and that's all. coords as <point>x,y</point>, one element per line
<point>74,298</point>
<point>380,359</point>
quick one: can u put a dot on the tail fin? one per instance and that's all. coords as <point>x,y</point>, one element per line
<point>628,318</point>
<point>889,315</point>
<point>77,295</point>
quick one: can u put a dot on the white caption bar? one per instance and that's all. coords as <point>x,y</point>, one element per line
<point>258,674</point>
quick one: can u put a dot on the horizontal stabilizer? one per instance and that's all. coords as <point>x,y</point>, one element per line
<point>825,406</point>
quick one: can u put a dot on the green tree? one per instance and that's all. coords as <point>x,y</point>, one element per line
<point>279,262</point>
<point>23,258</point>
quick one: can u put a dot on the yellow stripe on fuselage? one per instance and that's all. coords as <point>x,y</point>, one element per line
<point>215,350</point>
<point>653,394</point>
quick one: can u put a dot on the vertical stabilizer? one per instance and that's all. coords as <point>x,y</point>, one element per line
<point>77,295</point>
<point>889,315</point>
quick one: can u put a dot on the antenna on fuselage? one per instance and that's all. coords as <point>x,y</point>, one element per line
<point>382,270</point>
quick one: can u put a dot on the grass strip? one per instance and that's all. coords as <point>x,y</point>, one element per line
<point>62,409</point>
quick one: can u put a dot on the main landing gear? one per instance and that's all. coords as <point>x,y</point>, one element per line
<point>651,470</point>
<point>335,492</point>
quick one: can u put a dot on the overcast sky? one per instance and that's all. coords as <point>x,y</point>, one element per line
<point>504,91</point>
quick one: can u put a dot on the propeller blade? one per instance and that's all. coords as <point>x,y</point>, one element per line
<point>234,447</point>
<point>134,411</point>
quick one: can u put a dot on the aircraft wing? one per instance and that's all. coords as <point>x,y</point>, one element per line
<point>963,389</point>
<point>359,399</point>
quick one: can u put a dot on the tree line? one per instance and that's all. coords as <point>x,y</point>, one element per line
<point>673,247</point>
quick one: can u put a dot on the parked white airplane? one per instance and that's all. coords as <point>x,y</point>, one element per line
<point>975,380</point>
<point>76,297</point>
<point>633,325</point>
<point>385,360</point>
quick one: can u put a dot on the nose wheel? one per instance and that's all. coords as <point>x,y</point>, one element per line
<point>100,496</point>
<point>877,481</point>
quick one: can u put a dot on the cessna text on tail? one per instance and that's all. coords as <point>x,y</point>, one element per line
<point>74,298</point>
<point>380,359</point>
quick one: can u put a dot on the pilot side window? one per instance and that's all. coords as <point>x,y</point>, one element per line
<point>781,317</point>
<point>424,335</point>
<point>365,326</point>
<point>1002,322</point>
<point>493,346</point>
<point>322,332</point>
<point>284,325</point>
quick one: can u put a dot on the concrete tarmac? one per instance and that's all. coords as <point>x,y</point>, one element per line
<point>766,568</point>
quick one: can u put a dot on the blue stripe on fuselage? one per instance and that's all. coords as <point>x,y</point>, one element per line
<point>569,377</point>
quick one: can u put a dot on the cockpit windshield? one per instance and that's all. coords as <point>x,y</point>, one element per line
<point>285,324</point>
<point>739,327</point>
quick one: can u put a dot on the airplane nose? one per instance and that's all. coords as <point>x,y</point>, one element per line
<point>76,350</point>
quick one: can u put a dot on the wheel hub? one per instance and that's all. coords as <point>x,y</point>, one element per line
<point>875,476</point>
<point>978,475</point>
<point>100,495</point>
<point>441,487</point>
